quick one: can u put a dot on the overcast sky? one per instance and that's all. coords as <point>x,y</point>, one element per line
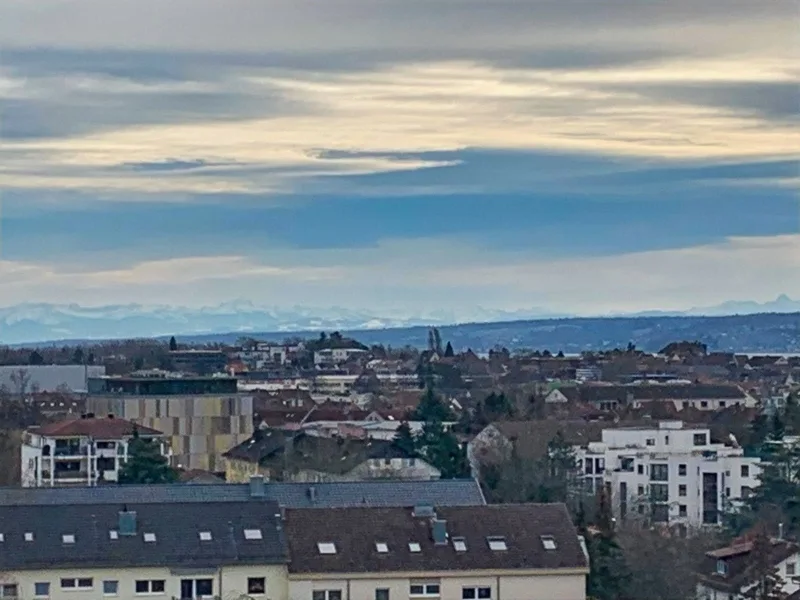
<point>575,155</point>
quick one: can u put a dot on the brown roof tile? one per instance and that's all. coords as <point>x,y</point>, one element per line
<point>108,428</point>
<point>355,531</point>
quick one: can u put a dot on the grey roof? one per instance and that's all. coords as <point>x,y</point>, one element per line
<point>439,492</point>
<point>176,526</point>
<point>48,378</point>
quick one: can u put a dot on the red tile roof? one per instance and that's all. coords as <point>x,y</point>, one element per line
<point>109,428</point>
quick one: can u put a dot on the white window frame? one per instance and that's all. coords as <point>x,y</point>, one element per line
<point>205,536</point>
<point>475,589</point>
<point>460,544</point>
<point>427,589</point>
<point>326,548</point>
<point>116,586</point>
<point>497,543</point>
<point>549,543</point>
<point>149,537</point>
<point>253,534</point>
<point>414,547</point>
<point>3,592</point>
<point>150,591</point>
<point>47,595</point>
<point>76,584</point>
<point>327,593</point>
<point>382,547</point>
<point>68,538</point>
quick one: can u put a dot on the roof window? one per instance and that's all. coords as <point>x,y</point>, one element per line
<point>497,542</point>
<point>2,537</point>
<point>28,536</point>
<point>113,534</point>
<point>414,547</point>
<point>382,547</point>
<point>205,536</point>
<point>252,534</point>
<point>68,538</point>
<point>326,547</point>
<point>549,542</point>
<point>149,537</point>
<point>460,544</point>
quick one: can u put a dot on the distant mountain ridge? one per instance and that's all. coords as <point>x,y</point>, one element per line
<point>31,323</point>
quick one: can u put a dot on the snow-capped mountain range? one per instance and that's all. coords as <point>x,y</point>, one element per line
<point>44,322</point>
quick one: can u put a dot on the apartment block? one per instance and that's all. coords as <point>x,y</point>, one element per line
<point>85,451</point>
<point>668,473</point>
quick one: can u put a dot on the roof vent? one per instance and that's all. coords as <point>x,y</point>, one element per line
<point>127,522</point>
<point>424,511</point>
<point>439,531</point>
<point>257,487</point>
<point>312,494</point>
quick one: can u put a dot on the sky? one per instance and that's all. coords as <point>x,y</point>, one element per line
<point>400,155</point>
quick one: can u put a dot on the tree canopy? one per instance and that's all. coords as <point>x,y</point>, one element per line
<point>146,464</point>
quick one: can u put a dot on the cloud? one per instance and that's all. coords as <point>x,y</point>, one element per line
<point>432,272</point>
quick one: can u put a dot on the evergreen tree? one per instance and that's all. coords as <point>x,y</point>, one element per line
<point>173,344</point>
<point>77,356</point>
<point>791,414</point>
<point>768,582</point>
<point>442,450</point>
<point>404,439</point>
<point>778,427</point>
<point>609,574</point>
<point>35,358</point>
<point>431,408</point>
<point>448,351</point>
<point>146,463</point>
<point>437,341</point>
<point>498,406</point>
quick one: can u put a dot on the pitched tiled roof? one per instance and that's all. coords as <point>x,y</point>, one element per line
<point>648,392</point>
<point>444,492</point>
<point>176,527</point>
<point>531,438</point>
<point>738,561</point>
<point>355,531</point>
<point>104,429</point>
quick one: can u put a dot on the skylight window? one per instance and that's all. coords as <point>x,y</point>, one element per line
<point>382,547</point>
<point>497,543</point>
<point>549,542</point>
<point>414,547</point>
<point>460,544</point>
<point>252,534</point>
<point>68,538</point>
<point>149,537</point>
<point>2,537</point>
<point>205,536</point>
<point>28,536</point>
<point>326,547</point>
<point>113,534</point>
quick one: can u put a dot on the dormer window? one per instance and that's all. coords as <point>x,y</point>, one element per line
<point>722,568</point>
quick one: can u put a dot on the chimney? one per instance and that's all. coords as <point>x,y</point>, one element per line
<point>439,532</point>
<point>780,531</point>
<point>127,522</point>
<point>257,488</point>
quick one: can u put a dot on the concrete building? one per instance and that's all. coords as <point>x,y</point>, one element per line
<point>336,356</point>
<point>48,378</point>
<point>85,451</point>
<point>202,417</point>
<point>669,474</point>
<point>199,362</point>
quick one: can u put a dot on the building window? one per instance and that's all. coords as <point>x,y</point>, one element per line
<point>476,593</point>
<point>41,590</point>
<point>681,510</point>
<point>589,466</point>
<point>660,513</point>
<point>150,586</point>
<point>8,590</point>
<point>703,404</point>
<point>80,583</point>
<point>651,441</point>
<point>790,569</point>
<point>681,490</point>
<point>640,469</point>
<point>722,403</point>
<point>699,439</point>
<point>256,586</point>
<point>722,568</point>
<point>326,595</point>
<point>203,588</point>
<point>640,490</point>
<point>745,470</point>
<point>424,589</point>
<point>666,440</point>
<point>110,588</point>
<point>659,472</point>
<point>382,594</point>
<point>682,470</point>
<point>659,492</point>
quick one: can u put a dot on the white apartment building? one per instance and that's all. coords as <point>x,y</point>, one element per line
<point>669,474</point>
<point>85,451</point>
<point>336,356</point>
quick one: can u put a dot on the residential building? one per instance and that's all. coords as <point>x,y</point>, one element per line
<point>28,379</point>
<point>202,417</point>
<point>199,362</point>
<point>336,356</point>
<point>727,574</point>
<point>669,473</point>
<point>493,552</point>
<point>608,397</point>
<point>297,456</point>
<point>253,548</point>
<point>84,451</point>
<point>172,550</point>
<point>377,492</point>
